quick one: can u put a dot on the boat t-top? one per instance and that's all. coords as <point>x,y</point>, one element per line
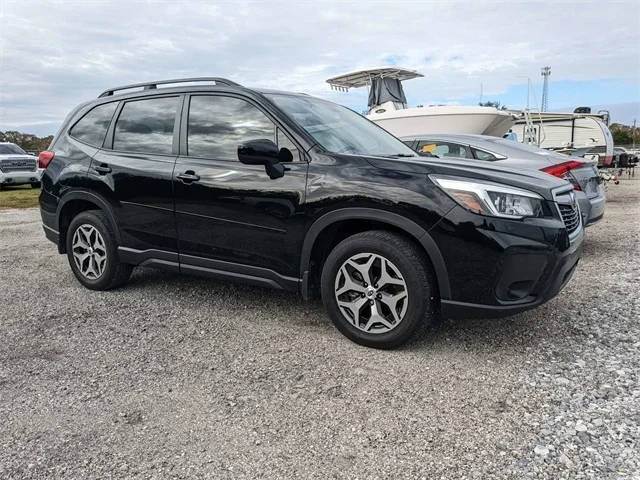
<point>387,106</point>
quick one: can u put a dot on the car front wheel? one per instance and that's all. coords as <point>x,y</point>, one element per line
<point>377,288</point>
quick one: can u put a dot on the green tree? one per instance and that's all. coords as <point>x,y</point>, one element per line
<point>622,134</point>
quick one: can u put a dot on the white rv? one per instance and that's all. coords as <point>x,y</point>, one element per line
<point>580,134</point>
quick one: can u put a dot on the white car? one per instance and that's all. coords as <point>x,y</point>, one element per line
<point>17,167</point>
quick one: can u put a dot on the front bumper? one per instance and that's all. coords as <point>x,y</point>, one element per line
<point>502,267</point>
<point>20,177</point>
<point>563,270</point>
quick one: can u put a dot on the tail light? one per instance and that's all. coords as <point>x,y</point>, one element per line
<point>44,159</point>
<point>563,170</point>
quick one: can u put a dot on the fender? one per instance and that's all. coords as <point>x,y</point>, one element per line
<point>412,228</point>
<point>100,201</point>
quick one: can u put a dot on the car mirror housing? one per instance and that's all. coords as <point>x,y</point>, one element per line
<point>258,152</point>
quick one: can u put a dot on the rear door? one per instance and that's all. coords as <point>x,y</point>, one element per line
<point>136,168</point>
<point>230,212</point>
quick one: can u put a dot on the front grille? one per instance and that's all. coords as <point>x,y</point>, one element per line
<point>18,165</point>
<point>570,216</point>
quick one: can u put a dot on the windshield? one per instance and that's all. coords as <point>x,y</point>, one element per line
<point>9,148</point>
<point>338,129</point>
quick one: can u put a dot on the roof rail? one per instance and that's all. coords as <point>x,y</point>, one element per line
<point>154,85</point>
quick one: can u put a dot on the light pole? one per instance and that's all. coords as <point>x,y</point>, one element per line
<point>546,72</point>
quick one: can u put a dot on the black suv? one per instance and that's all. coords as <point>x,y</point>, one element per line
<point>289,191</point>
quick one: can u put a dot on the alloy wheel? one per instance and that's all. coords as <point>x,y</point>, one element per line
<point>371,293</point>
<point>89,251</point>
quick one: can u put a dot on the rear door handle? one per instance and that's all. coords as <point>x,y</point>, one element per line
<point>102,169</point>
<point>188,176</point>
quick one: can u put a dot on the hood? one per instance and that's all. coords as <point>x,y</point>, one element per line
<point>528,179</point>
<point>17,156</point>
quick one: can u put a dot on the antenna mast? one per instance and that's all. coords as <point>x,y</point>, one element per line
<point>546,72</point>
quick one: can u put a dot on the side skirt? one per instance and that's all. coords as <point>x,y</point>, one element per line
<point>235,272</point>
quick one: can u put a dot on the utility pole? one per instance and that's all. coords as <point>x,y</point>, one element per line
<point>633,134</point>
<point>546,72</point>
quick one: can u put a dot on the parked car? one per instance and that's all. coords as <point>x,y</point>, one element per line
<point>17,167</point>
<point>624,158</point>
<point>289,191</point>
<point>580,172</point>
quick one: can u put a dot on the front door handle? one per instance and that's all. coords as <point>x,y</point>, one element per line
<point>102,169</point>
<point>188,176</point>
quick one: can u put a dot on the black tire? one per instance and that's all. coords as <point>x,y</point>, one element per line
<point>35,185</point>
<point>414,268</point>
<point>115,273</point>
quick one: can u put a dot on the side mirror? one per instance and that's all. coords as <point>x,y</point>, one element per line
<point>265,152</point>
<point>258,152</point>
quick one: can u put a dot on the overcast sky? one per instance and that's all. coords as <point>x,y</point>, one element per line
<point>54,55</point>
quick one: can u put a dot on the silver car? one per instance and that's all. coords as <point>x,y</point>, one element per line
<point>581,172</point>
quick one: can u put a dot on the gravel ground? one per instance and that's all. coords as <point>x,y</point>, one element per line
<point>179,377</point>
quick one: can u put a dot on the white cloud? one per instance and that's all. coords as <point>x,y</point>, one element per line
<point>55,55</point>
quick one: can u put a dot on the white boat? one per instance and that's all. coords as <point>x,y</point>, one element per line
<point>388,107</point>
<point>578,133</point>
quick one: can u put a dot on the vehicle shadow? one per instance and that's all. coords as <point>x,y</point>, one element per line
<point>516,333</point>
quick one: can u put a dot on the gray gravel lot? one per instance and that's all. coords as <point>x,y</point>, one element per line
<point>182,377</point>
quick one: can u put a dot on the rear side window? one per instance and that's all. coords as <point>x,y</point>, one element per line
<point>482,155</point>
<point>93,126</point>
<point>146,126</point>
<point>217,125</point>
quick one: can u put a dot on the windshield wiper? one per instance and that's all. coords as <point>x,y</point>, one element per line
<point>397,155</point>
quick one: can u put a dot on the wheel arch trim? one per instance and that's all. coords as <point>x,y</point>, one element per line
<point>357,213</point>
<point>91,197</point>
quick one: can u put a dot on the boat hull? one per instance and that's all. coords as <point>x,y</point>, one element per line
<point>495,124</point>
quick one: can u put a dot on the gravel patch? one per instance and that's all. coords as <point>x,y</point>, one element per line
<point>182,377</point>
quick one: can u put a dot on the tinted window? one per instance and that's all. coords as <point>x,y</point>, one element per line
<point>146,126</point>
<point>284,142</point>
<point>93,126</point>
<point>482,155</point>
<point>442,149</point>
<point>217,125</point>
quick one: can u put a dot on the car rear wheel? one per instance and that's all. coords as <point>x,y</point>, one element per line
<point>377,288</point>
<point>92,252</point>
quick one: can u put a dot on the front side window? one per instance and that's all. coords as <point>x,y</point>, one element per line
<point>92,128</point>
<point>285,142</point>
<point>146,126</point>
<point>217,125</point>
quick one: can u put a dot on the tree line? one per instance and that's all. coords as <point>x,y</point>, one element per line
<point>623,134</point>
<point>27,141</point>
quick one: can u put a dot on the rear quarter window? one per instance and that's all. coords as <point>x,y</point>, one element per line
<point>92,128</point>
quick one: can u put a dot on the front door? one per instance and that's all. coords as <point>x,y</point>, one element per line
<point>232,216</point>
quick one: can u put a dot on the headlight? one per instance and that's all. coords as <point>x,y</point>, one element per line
<point>491,198</point>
